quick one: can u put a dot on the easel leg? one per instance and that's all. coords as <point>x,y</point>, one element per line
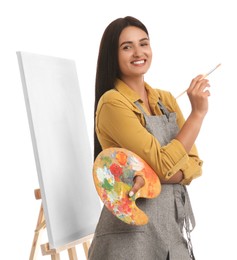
<point>55,257</point>
<point>72,253</point>
<point>38,231</point>
<point>86,246</point>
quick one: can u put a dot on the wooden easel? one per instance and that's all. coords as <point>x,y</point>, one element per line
<point>55,253</point>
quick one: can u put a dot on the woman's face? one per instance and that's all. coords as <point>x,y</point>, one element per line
<point>134,53</point>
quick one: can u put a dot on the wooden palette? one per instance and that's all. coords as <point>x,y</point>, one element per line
<point>113,172</point>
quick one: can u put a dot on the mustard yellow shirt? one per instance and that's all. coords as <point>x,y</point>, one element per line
<point>119,123</point>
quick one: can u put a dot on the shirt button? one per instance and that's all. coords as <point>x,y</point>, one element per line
<point>169,173</point>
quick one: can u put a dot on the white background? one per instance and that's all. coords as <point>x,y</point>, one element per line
<point>188,38</point>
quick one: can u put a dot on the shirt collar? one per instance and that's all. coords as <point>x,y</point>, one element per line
<point>130,94</point>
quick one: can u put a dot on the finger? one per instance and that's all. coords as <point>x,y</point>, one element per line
<point>195,81</point>
<point>202,86</point>
<point>203,76</point>
<point>206,90</point>
<point>199,86</point>
<point>138,184</point>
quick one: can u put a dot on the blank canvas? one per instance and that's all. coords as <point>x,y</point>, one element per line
<point>61,146</point>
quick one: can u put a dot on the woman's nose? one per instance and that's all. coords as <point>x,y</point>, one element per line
<point>137,52</point>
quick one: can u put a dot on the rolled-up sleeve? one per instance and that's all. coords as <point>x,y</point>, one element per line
<point>193,168</point>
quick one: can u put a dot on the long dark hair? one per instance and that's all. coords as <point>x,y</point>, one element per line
<point>107,64</point>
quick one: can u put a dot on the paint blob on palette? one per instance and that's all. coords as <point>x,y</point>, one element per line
<point>113,172</point>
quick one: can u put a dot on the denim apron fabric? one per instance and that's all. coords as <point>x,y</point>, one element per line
<point>167,234</point>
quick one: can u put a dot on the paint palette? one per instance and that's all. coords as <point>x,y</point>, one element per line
<point>113,172</point>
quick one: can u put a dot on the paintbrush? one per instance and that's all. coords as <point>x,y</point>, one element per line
<point>203,77</point>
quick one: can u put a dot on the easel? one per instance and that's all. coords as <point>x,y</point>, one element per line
<point>55,253</point>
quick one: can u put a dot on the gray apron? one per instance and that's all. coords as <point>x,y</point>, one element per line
<point>170,214</point>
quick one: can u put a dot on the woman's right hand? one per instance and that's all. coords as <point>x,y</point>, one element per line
<point>198,93</point>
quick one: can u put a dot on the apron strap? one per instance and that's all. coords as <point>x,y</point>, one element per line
<point>163,109</point>
<point>185,213</point>
<point>140,108</point>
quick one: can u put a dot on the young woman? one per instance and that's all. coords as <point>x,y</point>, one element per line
<point>131,114</point>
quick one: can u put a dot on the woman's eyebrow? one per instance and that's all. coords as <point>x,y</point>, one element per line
<point>130,42</point>
<point>144,39</point>
<point>127,42</point>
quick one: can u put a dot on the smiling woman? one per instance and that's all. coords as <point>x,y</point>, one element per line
<point>187,37</point>
<point>132,115</point>
<point>135,56</point>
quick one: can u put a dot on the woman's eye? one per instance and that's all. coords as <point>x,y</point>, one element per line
<point>144,44</point>
<point>126,47</point>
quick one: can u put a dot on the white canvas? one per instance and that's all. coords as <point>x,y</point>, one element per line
<point>61,147</point>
